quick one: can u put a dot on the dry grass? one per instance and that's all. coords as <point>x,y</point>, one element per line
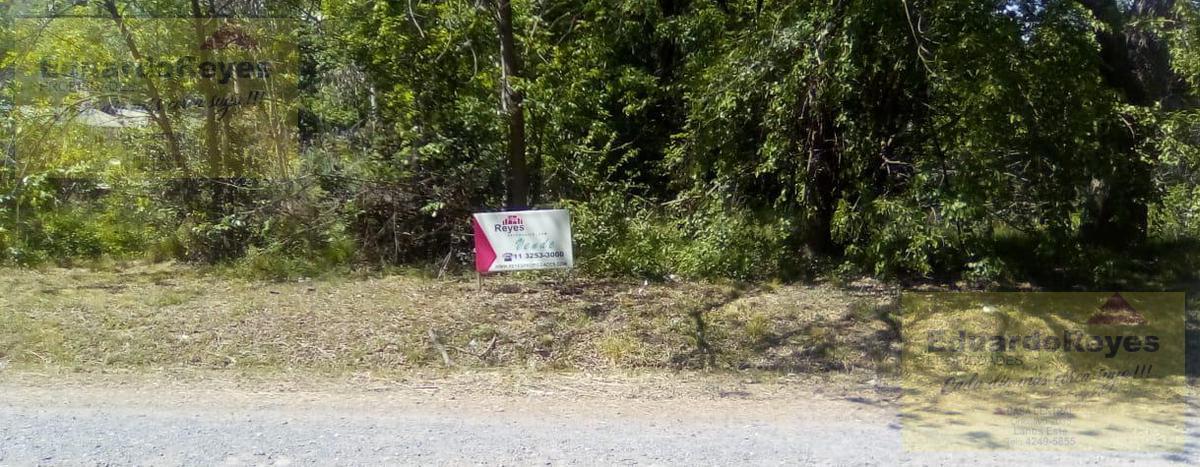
<point>171,317</point>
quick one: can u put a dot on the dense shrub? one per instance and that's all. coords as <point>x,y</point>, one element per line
<point>619,236</point>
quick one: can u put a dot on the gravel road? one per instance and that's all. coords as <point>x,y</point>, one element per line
<point>152,424</point>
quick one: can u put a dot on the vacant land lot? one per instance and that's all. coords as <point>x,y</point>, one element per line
<point>174,317</point>
<point>172,364</point>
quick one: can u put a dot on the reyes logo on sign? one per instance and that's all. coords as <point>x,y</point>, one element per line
<point>511,224</point>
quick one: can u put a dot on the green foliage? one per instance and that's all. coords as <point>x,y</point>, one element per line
<point>889,236</point>
<point>275,264</point>
<point>1178,215</point>
<point>732,244</point>
<point>617,236</point>
<point>948,139</point>
<point>68,234</point>
<point>6,241</point>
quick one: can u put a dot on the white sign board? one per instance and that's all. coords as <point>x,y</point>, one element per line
<point>520,240</point>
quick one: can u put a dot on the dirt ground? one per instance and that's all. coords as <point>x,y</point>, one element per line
<point>170,317</point>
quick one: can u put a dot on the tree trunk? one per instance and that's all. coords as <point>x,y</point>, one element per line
<point>822,191</point>
<point>511,101</point>
<point>212,137</point>
<point>157,108</point>
<point>1136,63</point>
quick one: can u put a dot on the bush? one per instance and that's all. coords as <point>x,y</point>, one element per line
<point>278,265</point>
<point>1177,216</point>
<point>730,244</point>
<point>6,245</point>
<point>890,238</point>
<point>69,233</point>
<point>616,236</point>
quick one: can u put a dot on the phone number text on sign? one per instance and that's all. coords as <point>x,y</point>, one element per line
<point>522,240</point>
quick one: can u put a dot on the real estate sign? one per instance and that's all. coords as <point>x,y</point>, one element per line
<point>521,240</point>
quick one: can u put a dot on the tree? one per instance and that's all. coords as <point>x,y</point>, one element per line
<point>157,107</point>
<point>511,105</point>
<point>1136,63</point>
